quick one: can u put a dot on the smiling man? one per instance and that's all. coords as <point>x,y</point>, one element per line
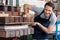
<point>44,20</point>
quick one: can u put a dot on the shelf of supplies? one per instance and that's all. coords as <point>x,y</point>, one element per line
<point>20,23</point>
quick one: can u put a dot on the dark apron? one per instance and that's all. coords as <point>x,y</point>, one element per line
<point>38,32</point>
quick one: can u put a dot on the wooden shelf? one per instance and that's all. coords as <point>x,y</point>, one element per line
<point>8,21</point>
<point>16,23</point>
<point>20,23</point>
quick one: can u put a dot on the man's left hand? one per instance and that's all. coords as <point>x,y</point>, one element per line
<point>35,23</point>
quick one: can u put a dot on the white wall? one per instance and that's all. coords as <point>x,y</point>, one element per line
<point>32,2</point>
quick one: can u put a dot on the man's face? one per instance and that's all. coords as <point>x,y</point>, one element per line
<point>47,11</point>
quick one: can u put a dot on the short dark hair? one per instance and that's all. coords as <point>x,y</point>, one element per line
<point>50,4</point>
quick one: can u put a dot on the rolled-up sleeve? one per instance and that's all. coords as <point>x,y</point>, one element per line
<point>38,10</point>
<point>53,19</point>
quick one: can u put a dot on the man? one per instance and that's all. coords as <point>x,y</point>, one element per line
<point>44,21</point>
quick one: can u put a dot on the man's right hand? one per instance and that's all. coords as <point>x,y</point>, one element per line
<point>27,6</point>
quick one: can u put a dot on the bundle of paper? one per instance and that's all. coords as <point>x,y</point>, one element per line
<point>2,14</point>
<point>15,20</point>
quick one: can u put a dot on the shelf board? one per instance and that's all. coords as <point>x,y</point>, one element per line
<point>20,23</point>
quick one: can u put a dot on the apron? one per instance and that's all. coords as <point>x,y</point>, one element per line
<point>38,32</point>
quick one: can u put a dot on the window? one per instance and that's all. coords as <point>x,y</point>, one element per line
<point>17,2</point>
<point>11,2</point>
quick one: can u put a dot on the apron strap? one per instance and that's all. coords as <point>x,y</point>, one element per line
<point>49,17</point>
<point>41,12</point>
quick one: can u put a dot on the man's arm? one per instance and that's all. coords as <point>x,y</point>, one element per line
<point>37,10</point>
<point>45,29</point>
<point>50,27</point>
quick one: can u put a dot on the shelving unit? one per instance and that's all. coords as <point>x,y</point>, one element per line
<point>12,24</point>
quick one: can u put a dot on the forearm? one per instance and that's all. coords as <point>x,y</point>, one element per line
<point>45,29</point>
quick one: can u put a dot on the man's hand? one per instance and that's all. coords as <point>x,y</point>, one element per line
<point>35,23</point>
<point>27,6</point>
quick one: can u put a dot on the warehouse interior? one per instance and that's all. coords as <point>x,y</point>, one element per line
<point>16,24</point>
